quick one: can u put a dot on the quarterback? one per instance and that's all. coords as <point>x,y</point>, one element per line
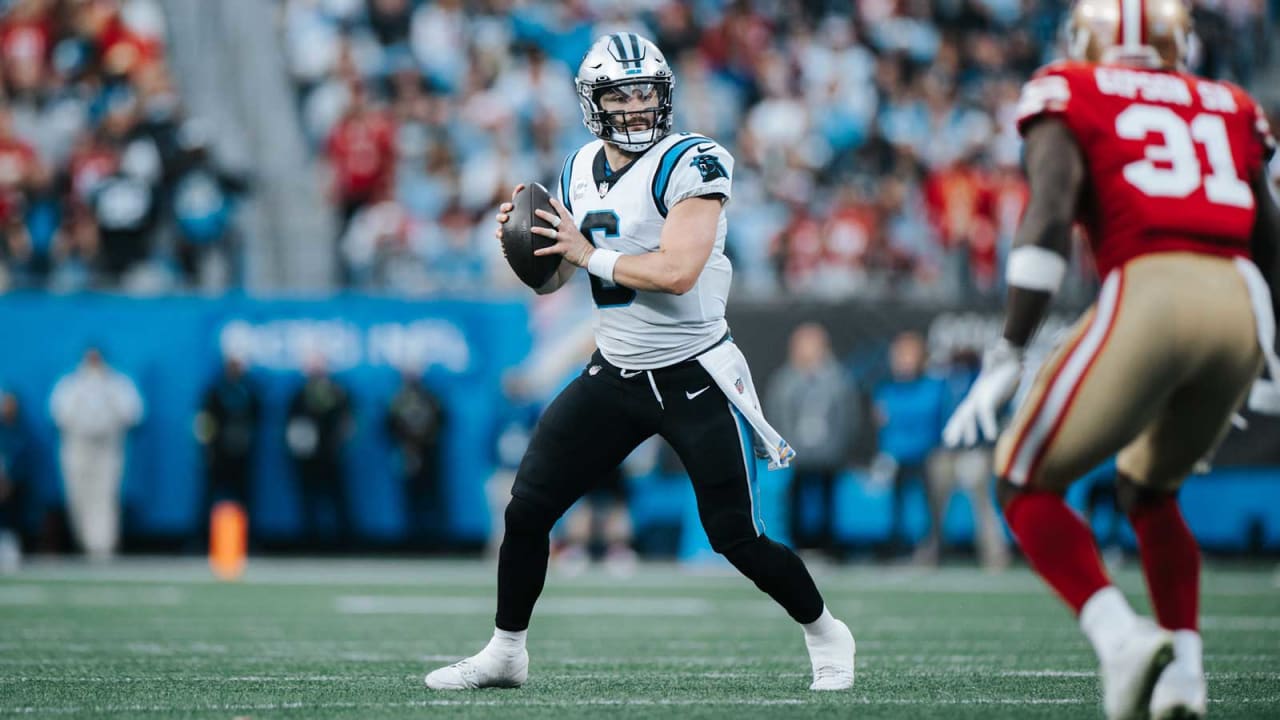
<point>641,209</point>
<point>1165,172</point>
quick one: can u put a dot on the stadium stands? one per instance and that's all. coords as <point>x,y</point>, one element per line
<point>875,149</point>
<point>106,181</point>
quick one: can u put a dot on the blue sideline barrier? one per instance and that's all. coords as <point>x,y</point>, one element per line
<point>170,347</point>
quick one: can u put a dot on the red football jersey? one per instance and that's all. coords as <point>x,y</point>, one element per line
<point>362,149</point>
<point>1169,157</point>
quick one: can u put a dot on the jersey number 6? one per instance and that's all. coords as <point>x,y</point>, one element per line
<point>1180,173</point>
<point>607,294</point>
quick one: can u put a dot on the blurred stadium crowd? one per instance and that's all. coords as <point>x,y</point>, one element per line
<point>875,145</point>
<point>103,180</point>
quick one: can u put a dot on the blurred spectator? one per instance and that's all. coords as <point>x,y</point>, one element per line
<point>439,34</point>
<point>601,518</point>
<point>518,415</point>
<point>203,206</point>
<point>960,211</point>
<point>912,408</point>
<point>94,407</point>
<point>361,153</point>
<point>13,480</point>
<point>18,166</point>
<point>378,245</point>
<point>123,200</point>
<point>798,249</point>
<point>853,244</point>
<point>389,20</point>
<point>708,102</point>
<point>317,427</point>
<point>969,470</point>
<point>816,408</point>
<point>225,428</point>
<point>416,421</point>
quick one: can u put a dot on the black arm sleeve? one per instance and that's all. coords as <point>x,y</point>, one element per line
<point>1055,172</point>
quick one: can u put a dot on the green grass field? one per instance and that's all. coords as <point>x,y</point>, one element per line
<point>352,639</point>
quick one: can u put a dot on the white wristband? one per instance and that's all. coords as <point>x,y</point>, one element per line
<point>1034,268</point>
<point>601,263</point>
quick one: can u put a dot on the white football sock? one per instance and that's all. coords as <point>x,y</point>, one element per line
<point>1188,650</point>
<point>822,627</point>
<point>507,642</point>
<point>1105,617</point>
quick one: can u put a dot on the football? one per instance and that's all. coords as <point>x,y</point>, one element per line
<point>518,243</point>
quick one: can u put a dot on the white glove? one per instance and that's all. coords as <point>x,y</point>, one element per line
<point>1264,398</point>
<point>998,381</point>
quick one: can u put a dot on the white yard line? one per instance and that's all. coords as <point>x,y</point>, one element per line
<point>517,704</point>
<point>1240,623</point>
<point>367,572</point>
<point>17,595</point>
<point>205,679</point>
<point>574,605</point>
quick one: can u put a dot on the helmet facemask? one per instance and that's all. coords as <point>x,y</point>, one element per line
<point>625,124</point>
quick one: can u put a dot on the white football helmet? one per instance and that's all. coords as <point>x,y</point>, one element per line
<point>619,60</point>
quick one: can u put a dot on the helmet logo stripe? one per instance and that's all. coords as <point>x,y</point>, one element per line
<point>618,45</point>
<point>1119,38</point>
<point>1131,22</point>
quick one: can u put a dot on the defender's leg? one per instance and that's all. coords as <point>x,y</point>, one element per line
<point>1097,392</point>
<point>1221,345</point>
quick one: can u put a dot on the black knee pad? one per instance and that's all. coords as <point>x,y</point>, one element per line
<point>728,529</point>
<point>1131,496</point>
<point>525,517</point>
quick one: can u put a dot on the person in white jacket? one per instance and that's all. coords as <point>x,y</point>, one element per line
<point>94,407</point>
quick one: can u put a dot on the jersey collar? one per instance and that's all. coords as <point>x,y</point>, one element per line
<point>604,176</point>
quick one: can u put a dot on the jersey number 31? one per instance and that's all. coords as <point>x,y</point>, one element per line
<point>1179,172</point>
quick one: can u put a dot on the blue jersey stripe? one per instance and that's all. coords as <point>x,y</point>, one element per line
<point>747,436</point>
<point>666,165</point>
<point>566,176</point>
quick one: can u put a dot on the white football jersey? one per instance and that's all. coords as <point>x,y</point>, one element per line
<point>624,211</point>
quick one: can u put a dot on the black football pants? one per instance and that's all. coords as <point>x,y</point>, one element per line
<point>592,426</point>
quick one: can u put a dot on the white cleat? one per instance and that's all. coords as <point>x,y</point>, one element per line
<point>832,659</point>
<point>1131,667</point>
<point>483,670</point>
<point>1180,694</point>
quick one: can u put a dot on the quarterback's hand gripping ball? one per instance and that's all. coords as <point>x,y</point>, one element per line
<point>517,220</point>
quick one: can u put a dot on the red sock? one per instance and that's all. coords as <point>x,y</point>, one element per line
<point>1058,545</point>
<point>1170,560</point>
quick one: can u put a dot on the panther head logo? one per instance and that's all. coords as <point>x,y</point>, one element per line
<point>710,167</point>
